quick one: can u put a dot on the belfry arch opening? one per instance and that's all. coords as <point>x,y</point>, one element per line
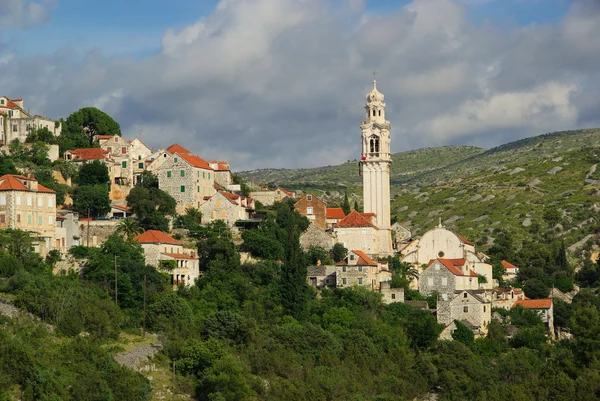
<point>374,145</point>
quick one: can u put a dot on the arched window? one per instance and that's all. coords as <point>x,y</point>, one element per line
<point>379,113</point>
<point>374,144</point>
<point>373,113</point>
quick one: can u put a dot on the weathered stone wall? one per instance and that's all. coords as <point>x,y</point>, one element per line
<point>437,278</point>
<point>316,237</point>
<point>99,231</point>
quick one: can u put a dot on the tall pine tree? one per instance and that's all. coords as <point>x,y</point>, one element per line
<point>346,205</point>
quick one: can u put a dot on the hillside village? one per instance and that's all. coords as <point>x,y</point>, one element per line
<point>443,266</point>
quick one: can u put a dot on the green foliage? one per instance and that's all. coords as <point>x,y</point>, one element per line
<point>91,200</point>
<point>338,252</point>
<point>318,255</point>
<point>43,135</point>
<point>7,166</point>
<point>148,179</point>
<point>87,123</point>
<point>151,205</point>
<point>190,220</point>
<point>129,227</point>
<point>536,289</point>
<point>346,205</point>
<point>93,173</point>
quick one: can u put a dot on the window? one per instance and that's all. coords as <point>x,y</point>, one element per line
<point>429,281</point>
<point>182,188</point>
<point>50,220</point>
<point>15,128</point>
<point>309,198</point>
<point>344,269</point>
<point>18,218</point>
<point>203,174</point>
<point>2,200</point>
<point>393,296</point>
<point>182,173</point>
<point>484,308</point>
<point>465,309</point>
<point>373,113</point>
<point>379,113</point>
<point>2,101</point>
<point>50,202</point>
<point>116,139</point>
<point>40,220</point>
<point>28,127</point>
<point>169,174</point>
<point>344,281</point>
<point>440,254</point>
<point>140,165</point>
<point>18,200</point>
<point>40,202</point>
<point>198,189</point>
<point>209,176</point>
<point>29,201</point>
<point>29,219</point>
<point>176,159</point>
<point>351,256</point>
<point>374,144</point>
<point>123,150</point>
<point>109,149</point>
<point>465,295</point>
<point>309,210</point>
<point>360,281</point>
<point>124,164</point>
<point>359,268</point>
<point>2,218</point>
<point>444,280</point>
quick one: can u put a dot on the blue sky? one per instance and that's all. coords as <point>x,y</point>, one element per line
<point>281,83</point>
<point>135,27</point>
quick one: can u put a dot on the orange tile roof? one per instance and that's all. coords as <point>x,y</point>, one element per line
<point>176,148</point>
<point>60,217</point>
<point>354,219</point>
<point>10,182</point>
<point>87,154</point>
<point>156,237</point>
<point>534,303</point>
<point>104,137</point>
<point>454,265</point>
<point>364,258</point>
<point>195,161</point>
<point>231,197</point>
<point>178,256</point>
<point>220,165</point>
<point>335,213</point>
<point>508,265</point>
<point>464,239</point>
<point>120,207</point>
<point>285,191</point>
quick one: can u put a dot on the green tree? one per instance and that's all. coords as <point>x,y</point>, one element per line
<point>89,122</point>
<point>129,227</point>
<point>346,205</point>
<point>338,252</point>
<point>356,206</point>
<point>43,135</point>
<point>92,200</point>
<point>536,289</point>
<point>94,173</point>
<point>318,254</point>
<point>7,166</point>
<point>463,334</point>
<point>151,205</point>
<point>148,180</point>
<point>190,220</point>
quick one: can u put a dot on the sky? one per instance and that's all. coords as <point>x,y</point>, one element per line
<point>282,83</point>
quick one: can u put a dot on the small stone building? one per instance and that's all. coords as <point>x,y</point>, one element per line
<point>391,295</point>
<point>469,307</point>
<point>314,209</point>
<point>333,215</point>
<point>321,276</point>
<point>359,269</point>
<point>227,207</point>
<point>543,307</point>
<point>446,276</point>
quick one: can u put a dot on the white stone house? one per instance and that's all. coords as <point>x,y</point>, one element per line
<point>359,269</point>
<point>505,298</point>
<point>222,171</point>
<point>356,231</point>
<point>321,276</point>
<point>468,307</point>
<point>446,276</point>
<point>510,271</point>
<point>188,179</point>
<point>16,123</point>
<point>67,230</point>
<point>169,255</point>
<point>227,207</point>
<point>543,307</point>
<point>155,160</point>
<point>268,196</point>
<point>440,242</point>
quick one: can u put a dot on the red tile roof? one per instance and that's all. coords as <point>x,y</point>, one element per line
<point>104,137</point>
<point>87,154</point>
<point>10,104</point>
<point>364,259</point>
<point>176,148</point>
<point>233,198</point>
<point>120,207</point>
<point>10,182</point>
<point>60,217</point>
<point>285,191</point>
<point>454,265</point>
<point>508,265</point>
<point>195,161</point>
<point>534,303</point>
<point>156,237</point>
<point>178,256</point>
<point>464,239</point>
<point>220,165</point>
<point>335,213</point>
<point>354,219</point>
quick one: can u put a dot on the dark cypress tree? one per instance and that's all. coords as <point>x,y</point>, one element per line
<point>356,206</point>
<point>346,204</point>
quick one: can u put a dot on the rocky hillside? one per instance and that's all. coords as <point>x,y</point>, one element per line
<point>535,186</point>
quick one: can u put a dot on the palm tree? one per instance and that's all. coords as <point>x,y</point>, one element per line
<point>193,215</point>
<point>130,227</point>
<point>408,271</point>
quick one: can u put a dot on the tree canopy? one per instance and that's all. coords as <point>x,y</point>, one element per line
<point>89,122</point>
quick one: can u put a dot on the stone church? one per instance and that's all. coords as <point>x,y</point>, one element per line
<point>375,227</point>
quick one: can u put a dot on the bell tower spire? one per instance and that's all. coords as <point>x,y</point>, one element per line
<point>376,160</point>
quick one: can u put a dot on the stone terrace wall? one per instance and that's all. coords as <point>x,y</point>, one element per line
<point>99,231</point>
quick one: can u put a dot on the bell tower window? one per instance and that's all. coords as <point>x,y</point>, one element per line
<point>379,113</point>
<point>374,144</point>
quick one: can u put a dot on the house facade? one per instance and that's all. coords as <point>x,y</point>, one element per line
<point>269,196</point>
<point>468,307</point>
<point>314,209</point>
<point>227,207</point>
<point>169,255</point>
<point>356,231</point>
<point>358,269</point>
<point>29,206</point>
<point>333,215</point>
<point>322,276</point>
<point>16,123</point>
<point>67,230</point>
<point>446,276</point>
<point>222,172</point>
<point>188,179</point>
<point>510,271</point>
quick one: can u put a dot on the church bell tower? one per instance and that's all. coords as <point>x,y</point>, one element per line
<point>375,163</point>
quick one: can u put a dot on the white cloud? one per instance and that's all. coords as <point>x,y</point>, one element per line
<point>25,12</point>
<point>271,83</point>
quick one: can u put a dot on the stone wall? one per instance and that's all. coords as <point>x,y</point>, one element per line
<point>99,231</point>
<point>316,237</point>
<point>437,278</point>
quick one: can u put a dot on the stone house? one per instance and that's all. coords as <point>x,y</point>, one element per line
<point>400,235</point>
<point>322,276</point>
<point>446,276</point>
<point>468,307</point>
<point>187,178</point>
<point>510,271</point>
<point>222,171</point>
<point>156,159</point>
<point>333,215</point>
<point>356,231</point>
<point>29,206</point>
<point>85,155</point>
<point>505,297</point>
<point>227,207</point>
<point>16,123</point>
<point>67,230</point>
<point>169,255</point>
<point>440,242</point>
<point>314,209</point>
<point>268,196</point>
<point>359,269</point>
<point>390,295</point>
<point>314,236</point>
<point>543,307</point>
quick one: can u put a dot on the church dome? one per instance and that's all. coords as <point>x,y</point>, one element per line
<point>374,95</point>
